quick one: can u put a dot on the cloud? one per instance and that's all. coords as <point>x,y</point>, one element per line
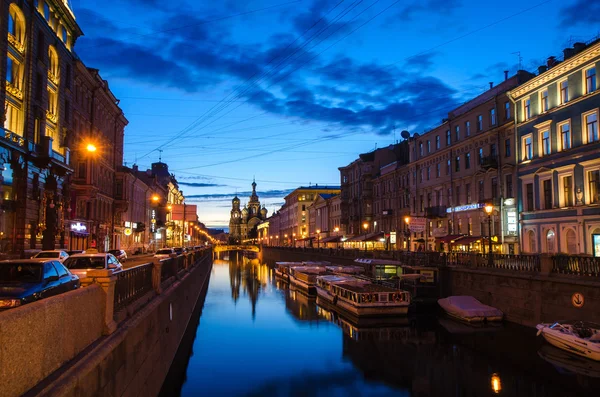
<point>421,62</point>
<point>262,195</point>
<point>440,7</point>
<point>580,12</point>
<point>198,184</point>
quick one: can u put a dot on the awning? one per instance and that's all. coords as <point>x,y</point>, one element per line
<point>449,238</point>
<point>305,239</point>
<point>368,237</point>
<point>331,239</point>
<point>466,240</point>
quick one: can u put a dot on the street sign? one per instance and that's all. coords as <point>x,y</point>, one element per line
<point>392,237</point>
<point>417,225</point>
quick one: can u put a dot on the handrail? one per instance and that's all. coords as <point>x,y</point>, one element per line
<point>132,284</point>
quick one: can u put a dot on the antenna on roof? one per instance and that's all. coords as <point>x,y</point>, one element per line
<point>518,54</point>
<point>160,155</point>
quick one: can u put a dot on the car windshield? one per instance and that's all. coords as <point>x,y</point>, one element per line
<point>20,272</point>
<point>47,255</point>
<point>85,262</point>
<point>163,252</point>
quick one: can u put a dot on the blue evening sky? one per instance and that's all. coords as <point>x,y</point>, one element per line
<point>287,91</point>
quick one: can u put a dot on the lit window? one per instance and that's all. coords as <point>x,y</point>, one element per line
<point>565,136</point>
<point>594,186</point>
<point>545,135</point>
<point>590,80</point>
<point>479,123</point>
<point>492,116</point>
<point>46,11</point>
<point>448,138</point>
<point>591,127</point>
<point>544,104</point>
<point>527,148</point>
<point>16,27</point>
<point>564,92</point>
<point>527,109</point>
<point>468,128</point>
<point>437,142</point>
<point>567,191</point>
<point>467,160</point>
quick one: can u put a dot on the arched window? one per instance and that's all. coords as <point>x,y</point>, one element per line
<point>53,68</point>
<point>571,242</point>
<point>16,27</point>
<point>531,241</point>
<point>550,241</point>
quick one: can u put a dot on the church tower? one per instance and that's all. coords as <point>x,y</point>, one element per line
<point>243,221</point>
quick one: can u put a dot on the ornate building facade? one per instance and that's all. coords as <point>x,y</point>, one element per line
<point>243,222</point>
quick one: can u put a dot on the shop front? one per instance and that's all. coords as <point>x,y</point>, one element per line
<point>78,235</point>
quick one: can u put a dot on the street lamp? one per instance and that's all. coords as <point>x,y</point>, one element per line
<point>407,231</point>
<point>286,239</point>
<point>365,226</point>
<point>294,239</point>
<point>337,234</point>
<point>488,210</point>
<point>318,237</point>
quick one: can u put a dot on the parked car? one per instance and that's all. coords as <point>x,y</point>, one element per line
<point>26,280</point>
<point>179,250</point>
<point>165,253</point>
<point>121,255</point>
<point>80,264</point>
<point>59,255</point>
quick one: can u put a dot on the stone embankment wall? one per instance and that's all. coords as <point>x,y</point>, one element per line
<point>135,359</point>
<point>526,298</point>
<point>40,337</point>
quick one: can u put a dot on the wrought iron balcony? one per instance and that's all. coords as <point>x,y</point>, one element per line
<point>489,162</point>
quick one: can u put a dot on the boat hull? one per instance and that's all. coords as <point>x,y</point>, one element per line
<point>572,344</point>
<point>363,310</point>
<point>306,287</point>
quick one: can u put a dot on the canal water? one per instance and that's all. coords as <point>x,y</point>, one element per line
<point>256,336</point>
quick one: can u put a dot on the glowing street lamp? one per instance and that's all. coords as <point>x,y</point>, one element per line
<point>407,231</point>
<point>318,237</point>
<point>489,209</point>
<point>91,147</point>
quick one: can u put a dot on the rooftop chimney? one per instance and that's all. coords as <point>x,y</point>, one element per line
<point>135,168</point>
<point>568,53</point>
<point>491,84</point>
<point>551,62</point>
<point>542,69</point>
<point>578,47</point>
<point>505,75</point>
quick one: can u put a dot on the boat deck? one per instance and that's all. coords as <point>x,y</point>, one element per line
<point>368,288</point>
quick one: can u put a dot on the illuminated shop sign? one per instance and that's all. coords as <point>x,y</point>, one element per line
<point>511,220</point>
<point>78,227</point>
<point>466,207</point>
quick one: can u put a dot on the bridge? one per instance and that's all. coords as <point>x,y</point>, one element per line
<point>228,248</point>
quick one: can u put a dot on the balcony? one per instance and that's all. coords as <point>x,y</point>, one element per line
<point>488,162</point>
<point>438,211</point>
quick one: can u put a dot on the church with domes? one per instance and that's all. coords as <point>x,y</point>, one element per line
<point>243,222</point>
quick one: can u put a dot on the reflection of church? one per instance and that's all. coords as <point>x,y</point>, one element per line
<point>242,224</point>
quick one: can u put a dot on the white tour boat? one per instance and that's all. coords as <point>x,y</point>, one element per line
<point>361,297</point>
<point>578,337</point>
<point>305,277</point>
<point>469,309</point>
<point>283,269</point>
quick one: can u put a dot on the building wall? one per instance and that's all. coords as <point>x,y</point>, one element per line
<point>558,189</point>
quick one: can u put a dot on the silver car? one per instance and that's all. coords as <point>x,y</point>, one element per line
<point>80,264</point>
<point>59,255</point>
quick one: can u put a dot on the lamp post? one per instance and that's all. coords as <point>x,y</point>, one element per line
<point>337,234</point>
<point>366,227</point>
<point>407,231</point>
<point>488,210</point>
<point>287,242</point>
<point>318,237</point>
<point>294,239</point>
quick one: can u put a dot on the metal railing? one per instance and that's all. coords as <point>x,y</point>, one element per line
<point>132,284</point>
<point>168,269</point>
<point>576,265</point>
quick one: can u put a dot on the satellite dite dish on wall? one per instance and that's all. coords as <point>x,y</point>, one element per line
<point>405,134</point>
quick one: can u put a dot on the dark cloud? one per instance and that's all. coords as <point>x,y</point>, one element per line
<point>443,7</point>
<point>421,62</point>
<point>580,12</point>
<point>200,184</point>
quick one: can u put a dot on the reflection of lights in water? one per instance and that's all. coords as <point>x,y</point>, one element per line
<point>496,384</point>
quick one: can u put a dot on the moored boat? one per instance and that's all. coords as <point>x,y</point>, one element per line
<point>469,309</point>
<point>577,337</point>
<point>305,277</point>
<point>345,269</point>
<point>283,269</point>
<point>360,297</point>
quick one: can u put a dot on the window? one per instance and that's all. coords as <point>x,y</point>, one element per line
<point>468,191</point>
<point>565,135</point>
<point>41,45</point>
<point>509,186</point>
<point>590,80</point>
<point>529,196</point>
<point>568,190</point>
<point>421,175</point>
<point>594,186</point>
<point>467,128</point>
<point>492,117</point>
<point>64,36</point>
<point>449,196</point>
<point>527,148</point>
<point>547,187</point>
<point>550,241</point>
<point>470,227</point>
<point>457,132</point>
<point>421,149</point>
<point>481,191</point>
<point>495,187</point>
<point>493,150</point>
<point>428,146</point>
<point>438,170</point>
<point>46,11</point>
<point>526,109</point>
<point>564,91</point>
<point>507,148</point>
<point>437,142</point>
<point>545,138</point>
<point>422,203</point>
<point>428,173</point>
<point>49,271</point>
<point>480,156</point>
<point>544,104</point>
<point>479,123</point>
<point>448,138</point>
<point>457,164</point>
<point>467,161</point>
<point>591,127</point>
<point>448,167</point>
<point>506,110</point>
<point>16,26</point>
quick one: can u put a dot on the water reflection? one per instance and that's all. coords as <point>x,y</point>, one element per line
<point>292,346</point>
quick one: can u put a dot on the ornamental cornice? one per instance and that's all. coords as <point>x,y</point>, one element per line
<point>20,47</point>
<point>557,71</point>
<point>14,91</point>
<point>51,116</point>
<point>53,78</point>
